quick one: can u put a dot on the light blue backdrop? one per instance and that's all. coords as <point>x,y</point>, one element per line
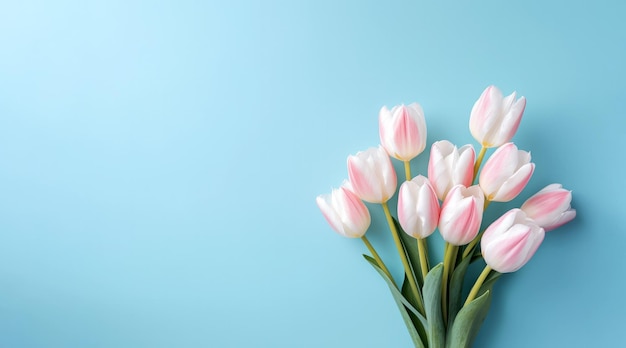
<point>159,163</point>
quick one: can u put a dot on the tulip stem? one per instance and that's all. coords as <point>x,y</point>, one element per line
<point>422,249</point>
<point>470,247</point>
<point>407,170</point>
<point>405,261</point>
<point>477,285</point>
<point>378,259</point>
<point>479,160</point>
<point>449,260</point>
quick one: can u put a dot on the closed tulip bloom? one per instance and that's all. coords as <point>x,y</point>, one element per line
<point>449,166</point>
<point>345,212</point>
<point>494,118</point>
<point>461,214</point>
<point>506,173</point>
<point>418,207</point>
<point>550,207</point>
<point>372,176</point>
<point>509,242</point>
<point>403,131</point>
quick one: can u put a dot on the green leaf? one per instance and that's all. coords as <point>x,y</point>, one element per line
<point>489,282</point>
<point>432,302</point>
<point>477,254</point>
<point>402,304</point>
<point>456,288</point>
<point>467,323</point>
<point>409,295</point>
<point>412,252</point>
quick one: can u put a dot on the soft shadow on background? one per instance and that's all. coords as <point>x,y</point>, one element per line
<point>159,164</point>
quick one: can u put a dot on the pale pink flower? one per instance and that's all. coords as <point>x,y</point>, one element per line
<point>372,176</point>
<point>461,214</point>
<point>418,207</point>
<point>345,212</point>
<point>449,166</point>
<point>403,131</point>
<point>550,207</point>
<point>509,242</point>
<point>506,173</point>
<point>494,118</point>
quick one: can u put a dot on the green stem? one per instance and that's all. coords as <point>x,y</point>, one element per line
<point>448,267</point>
<point>477,285</point>
<point>405,261</point>
<point>407,170</point>
<point>470,247</point>
<point>378,259</point>
<point>479,160</point>
<point>422,249</point>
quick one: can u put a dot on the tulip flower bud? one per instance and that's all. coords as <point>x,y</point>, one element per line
<point>449,166</point>
<point>550,207</point>
<point>402,131</point>
<point>494,119</point>
<point>418,207</point>
<point>461,214</point>
<point>506,173</point>
<point>509,242</point>
<point>345,212</point>
<point>372,176</point>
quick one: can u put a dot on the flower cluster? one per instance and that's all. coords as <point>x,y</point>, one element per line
<point>451,199</point>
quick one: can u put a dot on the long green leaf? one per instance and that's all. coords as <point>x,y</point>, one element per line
<point>402,304</point>
<point>468,322</point>
<point>489,282</point>
<point>409,295</point>
<point>477,254</point>
<point>456,288</point>
<point>412,252</point>
<point>432,302</point>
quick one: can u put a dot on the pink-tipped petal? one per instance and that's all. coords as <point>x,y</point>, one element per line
<point>566,217</point>
<point>372,176</point>
<point>510,241</point>
<point>550,207</point>
<point>344,212</point>
<point>461,214</point>
<point>403,131</point>
<point>494,119</point>
<point>418,207</point>
<point>331,216</point>
<point>515,184</point>
<point>511,122</point>
<point>506,173</point>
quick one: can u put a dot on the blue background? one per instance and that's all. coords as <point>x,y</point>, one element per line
<point>159,163</point>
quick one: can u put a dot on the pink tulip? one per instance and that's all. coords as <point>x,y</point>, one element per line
<point>345,212</point>
<point>449,166</point>
<point>403,131</point>
<point>418,207</point>
<point>372,176</point>
<point>506,173</point>
<point>461,214</point>
<point>550,207</point>
<point>511,241</point>
<point>495,119</point>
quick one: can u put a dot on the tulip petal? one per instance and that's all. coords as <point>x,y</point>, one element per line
<point>543,206</point>
<point>515,184</point>
<point>562,220</point>
<point>494,119</point>
<point>372,176</point>
<point>511,121</point>
<point>331,216</point>
<point>510,241</point>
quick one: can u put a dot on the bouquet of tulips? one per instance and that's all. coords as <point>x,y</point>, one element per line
<point>431,300</point>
